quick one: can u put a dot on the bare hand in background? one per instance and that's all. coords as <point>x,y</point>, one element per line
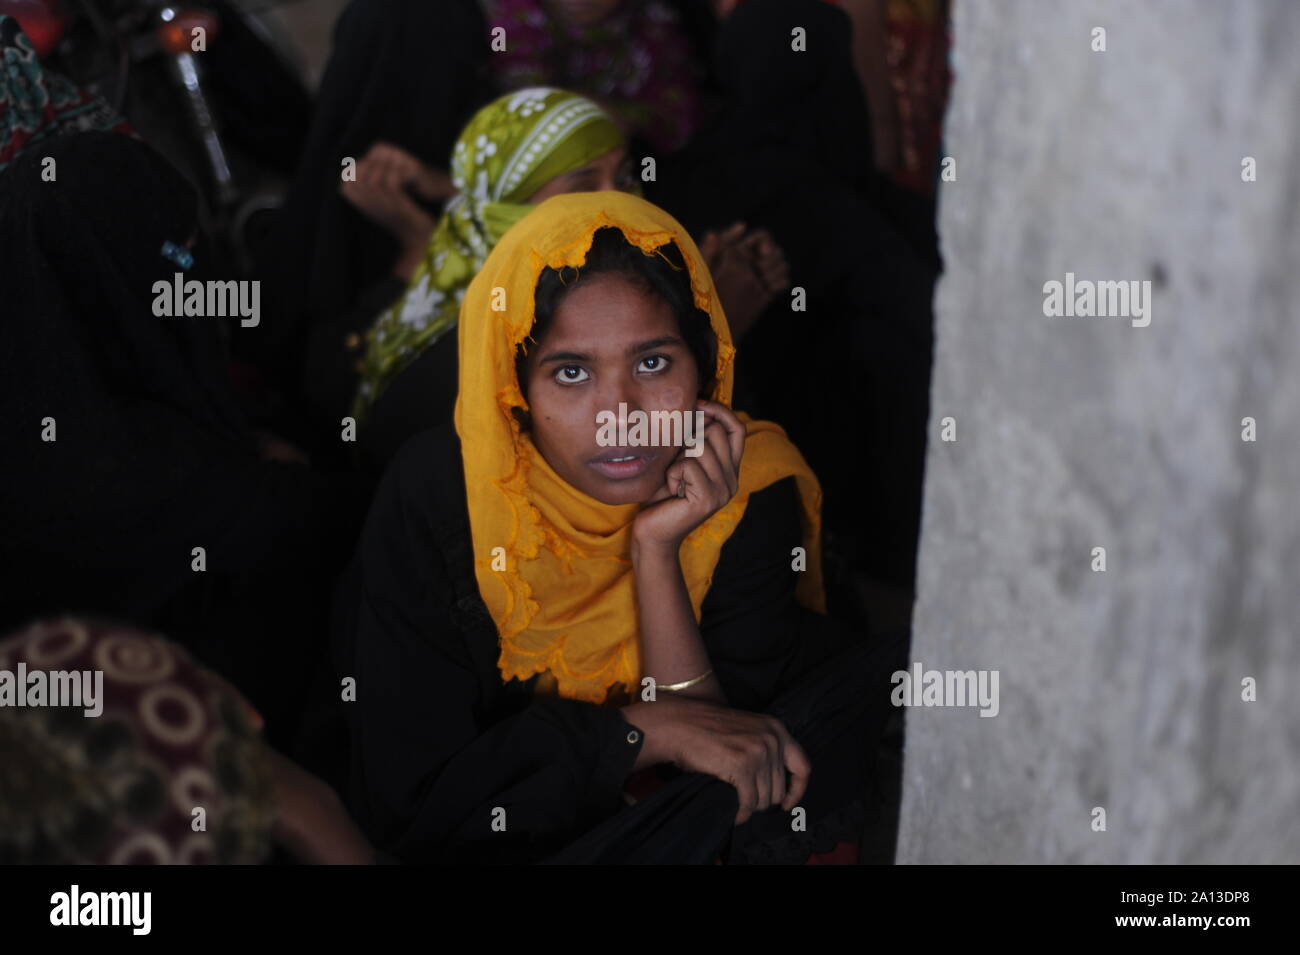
<point>380,192</point>
<point>749,270</point>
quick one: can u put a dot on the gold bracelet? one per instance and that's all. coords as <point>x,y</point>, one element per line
<point>674,687</point>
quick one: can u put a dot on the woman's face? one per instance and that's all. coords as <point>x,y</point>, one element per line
<point>608,343</point>
<point>603,174</point>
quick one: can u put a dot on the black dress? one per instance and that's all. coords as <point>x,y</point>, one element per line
<point>439,741</point>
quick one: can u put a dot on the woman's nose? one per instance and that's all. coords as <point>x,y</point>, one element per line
<point>621,396</point>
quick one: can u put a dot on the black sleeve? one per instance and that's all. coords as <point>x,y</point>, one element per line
<point>756,633</point>
<point>433,754</point>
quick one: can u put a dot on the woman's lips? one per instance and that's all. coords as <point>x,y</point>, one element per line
<point>622,465</point>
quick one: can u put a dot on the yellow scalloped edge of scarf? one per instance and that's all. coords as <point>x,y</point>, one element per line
<point>592,686</point>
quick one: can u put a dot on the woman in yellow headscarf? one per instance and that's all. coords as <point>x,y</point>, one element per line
<point>604,570</point>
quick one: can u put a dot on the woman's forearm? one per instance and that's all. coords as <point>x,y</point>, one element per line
<point>672,650</point>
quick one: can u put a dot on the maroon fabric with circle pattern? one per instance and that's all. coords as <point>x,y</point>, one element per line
<point>127,786</point>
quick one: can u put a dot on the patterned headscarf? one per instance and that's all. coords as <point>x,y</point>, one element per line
<point>36,105</point>
<point>510,149</point>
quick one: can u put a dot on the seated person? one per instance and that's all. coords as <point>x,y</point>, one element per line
<point>518,580</point>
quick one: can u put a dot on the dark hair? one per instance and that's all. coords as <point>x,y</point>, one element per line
<point>662,274</point>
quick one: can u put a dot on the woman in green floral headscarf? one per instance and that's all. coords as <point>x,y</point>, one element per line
<point>516,151</point>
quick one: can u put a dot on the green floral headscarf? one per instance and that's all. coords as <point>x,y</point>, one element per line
<point>510,149</point>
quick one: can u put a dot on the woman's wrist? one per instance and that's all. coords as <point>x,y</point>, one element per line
<point>646,550</point>
<point>646,720</point>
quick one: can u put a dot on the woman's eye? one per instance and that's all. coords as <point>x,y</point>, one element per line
<point>571,375</point>
<point>654,363</point>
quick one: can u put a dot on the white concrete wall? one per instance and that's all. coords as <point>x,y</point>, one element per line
<point>1121,689</point>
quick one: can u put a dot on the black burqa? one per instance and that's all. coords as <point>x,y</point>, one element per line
<point>124,449</point>
<point>791,151</point>
<point>407,72</point>
<point>441,744</point>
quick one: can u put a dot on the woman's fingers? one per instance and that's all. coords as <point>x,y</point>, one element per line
<point>775,275</point>
<point>746,796</point>
<point>387,164</point>
<point>369,179</point>
<point>762,778</point>
<point>391,168</point>
<point>734,427</point>
<point>673,482</point>
<point>432,183</point>
<point>776,272</point>
<point>796,761</point>
<point>714,472</point>
<point>752,243</point>
<point>777,769</point>
<point>702,488</point>
<point>763,781</point>
<point>757,246</point>
<point>718,441</point>
<point>732,235</point>
<point>396,177</point>
<point>370,171</point>
<point>767,259</point>
<point>663,494</point>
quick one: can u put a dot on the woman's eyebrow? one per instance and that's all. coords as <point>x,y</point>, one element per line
<point>564,356</point>
<point>655,343</point>
<point>636,349</point>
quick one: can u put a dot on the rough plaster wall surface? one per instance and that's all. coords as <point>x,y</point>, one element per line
<point>1119,689</point>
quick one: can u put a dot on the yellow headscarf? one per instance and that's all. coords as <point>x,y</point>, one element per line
<point>553,564</point>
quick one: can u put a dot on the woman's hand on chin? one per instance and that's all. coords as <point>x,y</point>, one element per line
<point>695,487</point>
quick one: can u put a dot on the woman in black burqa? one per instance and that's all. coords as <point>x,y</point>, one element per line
<point>515,584</point>
<point>124,449</point>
